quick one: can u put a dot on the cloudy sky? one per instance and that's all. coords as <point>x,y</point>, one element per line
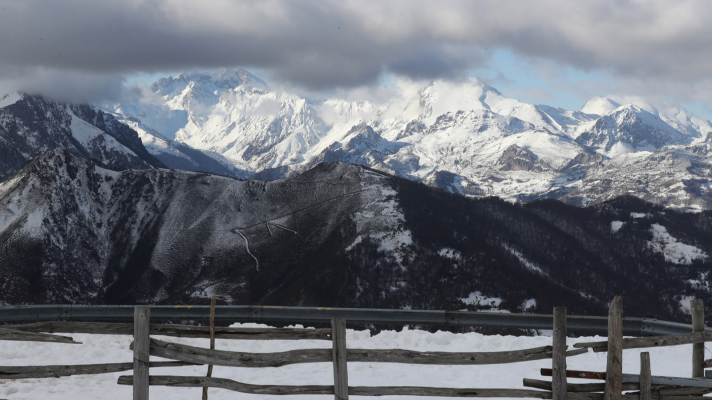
<point>553,52</point>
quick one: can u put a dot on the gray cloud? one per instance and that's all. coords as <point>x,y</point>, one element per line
<point>53,46</point>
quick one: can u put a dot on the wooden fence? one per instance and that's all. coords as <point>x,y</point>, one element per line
<point>645,386</point>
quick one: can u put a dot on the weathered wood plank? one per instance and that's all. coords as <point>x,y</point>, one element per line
<point>558,359</point>
<point>575,387</point>
<point>697,307</point>
<point>646,385</point>
<point>631,378</point>
<point>341,375</point>
<point>212,342</point>
<point>142,320</point>
<point>182,352</point>
<point>175,330</point>
<point>189,381</point>
<point>56,371</point>
<point>614,361</point>
<point>652,341</point>
<point>577,374</point>
<point>671,381</point>
<point>657,391</point>
<point>18,335</point>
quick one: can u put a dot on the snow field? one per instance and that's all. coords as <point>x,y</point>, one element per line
<point>668,361</point>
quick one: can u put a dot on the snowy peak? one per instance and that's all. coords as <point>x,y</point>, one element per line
<point>629,128</point>
<point>599,106</point>
<point>208,82</point>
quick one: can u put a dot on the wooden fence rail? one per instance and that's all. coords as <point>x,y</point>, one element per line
<point>186,331</point>
<point>199,355</point>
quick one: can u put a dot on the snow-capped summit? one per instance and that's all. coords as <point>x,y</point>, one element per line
<point>629,129</point>
<point>599,106</point>
<point>210,82</point>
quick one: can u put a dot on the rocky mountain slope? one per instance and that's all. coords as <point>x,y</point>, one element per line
<point>76,231</point>
<point>465,137</point>
<point>31,126</point>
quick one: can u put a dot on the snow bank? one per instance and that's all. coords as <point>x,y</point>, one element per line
<point>674,251</point>
<point>670,361</point>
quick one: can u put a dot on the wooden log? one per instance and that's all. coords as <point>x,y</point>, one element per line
<point>575,387</point>
<point>645,384</point>
<point>212,342</point>
<point>631,378</point>
<point>56,371</point>
<point>671,381</point>
<point>652,341</point>
<point>189,331</point>
<point>189,381</point>
<point>577,374</point>
<point>697,307</point>
<point>182,352</point>
<point>657,392</point>
<point>558,359</point>
<point>341,375</point>
<point>18,335</point>
<point>680,390</point>
<point>614,362</point>
<point>142,320</point>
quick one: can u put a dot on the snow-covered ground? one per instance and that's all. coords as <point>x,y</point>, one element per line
<point>669,361</point>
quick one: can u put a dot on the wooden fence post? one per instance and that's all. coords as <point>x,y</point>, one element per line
<point>558,358</point>
<point>341,377</point>
<point>212,342</point>
<point>142,343</point>
<point>698,349</point>
<point>613,389</point>
<point>646,387</point>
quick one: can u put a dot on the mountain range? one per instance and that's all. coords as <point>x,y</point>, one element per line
<point>465,137</point>
<point>215,184</point>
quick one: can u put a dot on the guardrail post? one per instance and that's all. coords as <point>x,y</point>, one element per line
<point>645,380</point>
<point>142,321</point>
<point>341,377</point>
<point>697,307</point>
<point>558,357</point>
<point>613,389</point>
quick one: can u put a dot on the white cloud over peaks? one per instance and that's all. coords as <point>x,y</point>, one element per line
<point>346,43</point>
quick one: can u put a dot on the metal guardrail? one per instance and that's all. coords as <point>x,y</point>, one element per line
<point>310,315</point>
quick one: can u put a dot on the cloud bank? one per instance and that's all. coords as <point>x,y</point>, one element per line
<point>83,49</point>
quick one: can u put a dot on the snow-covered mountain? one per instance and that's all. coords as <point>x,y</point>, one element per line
<point>462,136</point>
<point>74,230</point>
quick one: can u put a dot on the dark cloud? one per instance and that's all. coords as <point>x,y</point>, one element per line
<point>322,44</point>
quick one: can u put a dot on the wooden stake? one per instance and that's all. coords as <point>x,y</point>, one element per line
<point>558,359</point>
<point>142,321</point>
<point>698,349</point>
<point>212,342</point>
<point>645,377</point>
<point>614,364</point>
<point>341,377</point>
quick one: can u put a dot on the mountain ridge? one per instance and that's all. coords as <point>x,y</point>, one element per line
<point>73,230</point>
